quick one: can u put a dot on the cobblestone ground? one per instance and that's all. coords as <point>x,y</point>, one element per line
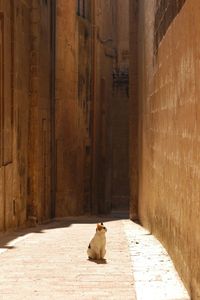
<point>50,262</point>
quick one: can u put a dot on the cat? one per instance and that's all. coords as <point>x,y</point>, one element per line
<point>97,246</point>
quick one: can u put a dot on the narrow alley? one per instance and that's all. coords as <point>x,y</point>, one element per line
<point>50,262</point>
<point>99,116</point>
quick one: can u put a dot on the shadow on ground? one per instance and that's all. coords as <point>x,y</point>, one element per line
<point>98,262</point>
<point>9,239</point>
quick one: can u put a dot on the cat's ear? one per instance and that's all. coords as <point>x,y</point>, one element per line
<point>99,227</point>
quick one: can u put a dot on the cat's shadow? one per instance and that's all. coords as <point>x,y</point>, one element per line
<point>98,261</point>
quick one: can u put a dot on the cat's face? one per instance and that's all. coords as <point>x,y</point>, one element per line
<point>101,228</point>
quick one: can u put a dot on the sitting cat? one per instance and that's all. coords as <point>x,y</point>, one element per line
<point>96,249</point>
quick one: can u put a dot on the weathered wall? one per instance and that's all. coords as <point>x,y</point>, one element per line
<point>122,33</point>
<point>104,54</point>
<point>110,123</point>
<point>40,115</point>
<point>73,158</point>
<point>169,202</point>
<point>120,110</point>
<point>66,103</point>
<point>133,110</point>
<point>120,147</point>
<point>25,100</point>
<point>84,61</point>
<point>14,41</point>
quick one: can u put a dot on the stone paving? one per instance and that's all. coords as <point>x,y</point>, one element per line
<point>50,262</point>
<point>154,273</point>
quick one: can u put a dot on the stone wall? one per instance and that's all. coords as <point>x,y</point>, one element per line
<point>169,172</point>
<point>104,45</point>
<point>120,110</point>
<point>25,136</point>
<point>14,101</point>
<point>133,110</point>
<point>73,108</point>
<point>40,159</point>
<point>110,121</point>
<point>84,60</point>
<point>64,124</point>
